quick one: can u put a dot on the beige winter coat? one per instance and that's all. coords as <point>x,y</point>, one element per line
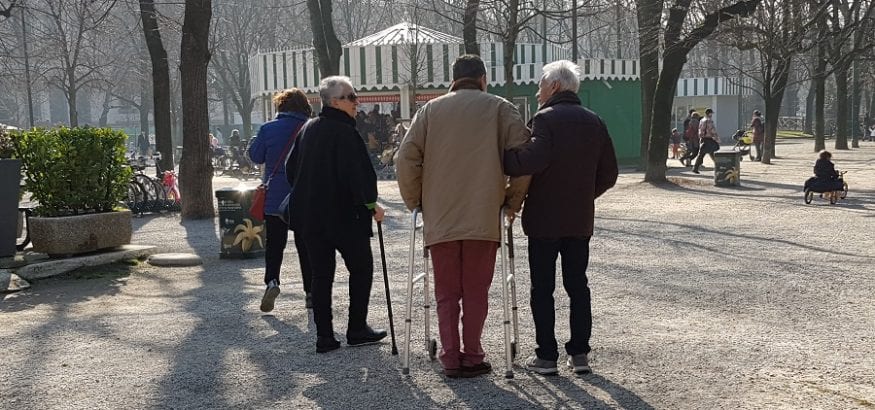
<point>450,165</point>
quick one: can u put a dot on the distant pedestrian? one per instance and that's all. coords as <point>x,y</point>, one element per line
<point>708,139</point>
<point>571,166</point>
<point>675,143</point>
<point>271,147</point>
<point>691,136</point>
<point>872,132</point>
<point>759,132</point>
<point>143,144</point>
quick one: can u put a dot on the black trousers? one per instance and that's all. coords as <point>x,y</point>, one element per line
<point>709,147</point>
<point>355,249</point>
<point>692,150</point>
<point>759,147</point>
<point>277,236</point>
<point>542,267</point>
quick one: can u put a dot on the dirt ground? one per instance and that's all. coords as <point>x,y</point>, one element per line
<point>703,297</point>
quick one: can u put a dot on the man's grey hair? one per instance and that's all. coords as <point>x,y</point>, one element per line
<point>332,87</point>
<point>566,73</point>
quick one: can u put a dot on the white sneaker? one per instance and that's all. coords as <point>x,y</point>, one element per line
<point>579,364</point>
<point>541,366</point>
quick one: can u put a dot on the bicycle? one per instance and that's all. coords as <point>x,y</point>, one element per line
<point>743,144</point>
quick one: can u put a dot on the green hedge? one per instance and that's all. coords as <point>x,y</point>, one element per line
<point>72,171</point>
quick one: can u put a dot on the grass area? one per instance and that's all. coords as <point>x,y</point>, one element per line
<point>793,134</point>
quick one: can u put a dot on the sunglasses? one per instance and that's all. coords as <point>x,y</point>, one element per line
<point>352,97</point>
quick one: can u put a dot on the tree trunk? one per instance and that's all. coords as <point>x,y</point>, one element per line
<point>841,102</point>
<point>808,126</point>
<point>71,101</point>
<point>856,97</point>
<point>648,45</point>
<point>160,84</point>
<point>820,101</point>
<point>195,168</point>
<point>469,27</point>
<point>327,46</point>
<point>774,97</point>
<point>246,117</point>
<point>509,39</point>
<point>104,112</point>
<point>143,109</point>
<point>660,125</point>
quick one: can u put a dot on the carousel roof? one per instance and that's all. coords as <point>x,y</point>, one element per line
<point>406,33</point>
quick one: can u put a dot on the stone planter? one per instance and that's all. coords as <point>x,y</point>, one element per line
<point>10,179</point>
<point>70,235</point>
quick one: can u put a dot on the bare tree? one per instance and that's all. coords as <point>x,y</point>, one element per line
<point>848,24</point>
<point>676,49</point>
<point>327,46</point>
<point>469,31</point>
<point>160,82</point>
<point>73,33</point>
<point>196,170</point>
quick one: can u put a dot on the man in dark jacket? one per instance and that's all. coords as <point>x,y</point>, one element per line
<point>572,162</point>
<point>333,200</point>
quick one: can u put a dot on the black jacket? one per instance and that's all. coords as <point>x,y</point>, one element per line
<point>334,186</point>
<point>572,162</point>
<point>825,169</point>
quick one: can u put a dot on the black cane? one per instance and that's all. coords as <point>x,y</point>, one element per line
<point>386,283</point>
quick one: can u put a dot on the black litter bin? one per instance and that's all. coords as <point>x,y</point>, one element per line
<point>241,235</point>
<point>727,168</point>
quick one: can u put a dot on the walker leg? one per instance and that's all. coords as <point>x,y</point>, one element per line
<point>405,359</point>
<point>508,356</point>
<point>426,305</point>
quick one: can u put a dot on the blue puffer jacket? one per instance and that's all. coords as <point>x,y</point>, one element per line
<point>267,148</point>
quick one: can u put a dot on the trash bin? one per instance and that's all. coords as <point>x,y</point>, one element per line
<point>727,168</point>
<point>241,235</point>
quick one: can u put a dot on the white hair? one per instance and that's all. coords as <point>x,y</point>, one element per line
<point>332,87</point>
<point>566,73</point>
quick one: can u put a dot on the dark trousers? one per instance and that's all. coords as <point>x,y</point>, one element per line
<point>276,238</point>
<point>709,147</point>
<point>542,266</point>
<point>355,249</point>
<point>692,150</point>
<point>759,148</point>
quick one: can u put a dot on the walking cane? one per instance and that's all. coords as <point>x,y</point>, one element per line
<point>386,283</point>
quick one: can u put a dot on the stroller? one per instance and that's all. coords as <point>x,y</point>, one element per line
<point>743,142</point>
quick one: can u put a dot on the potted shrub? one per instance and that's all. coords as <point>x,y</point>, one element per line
<point>77,176</point>
<point>10,179</point>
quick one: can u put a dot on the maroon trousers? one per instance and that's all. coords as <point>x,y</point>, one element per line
<point>463,272</point>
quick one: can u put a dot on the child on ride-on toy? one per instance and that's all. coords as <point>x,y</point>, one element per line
<point>826,178</point>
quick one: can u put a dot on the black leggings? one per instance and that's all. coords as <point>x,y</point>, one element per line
<point>277,235</point>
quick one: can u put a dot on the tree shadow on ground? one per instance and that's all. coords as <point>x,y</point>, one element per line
<point>71,288</point>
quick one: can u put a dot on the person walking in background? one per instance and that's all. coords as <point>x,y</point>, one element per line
<point>331,207</point>
<point>143,144</point>
<point>709,140</point>
<point>449,165</point>
<point>572,162</point>
<point>759,133</point>
<point>675,143</point>
<point>691,136</point>
<point>271,147</point>
<point>872,132</point>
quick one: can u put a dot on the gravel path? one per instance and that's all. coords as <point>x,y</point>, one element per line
<point>703,297</point>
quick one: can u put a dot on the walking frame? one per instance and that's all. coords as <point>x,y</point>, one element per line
<point>510,315</point>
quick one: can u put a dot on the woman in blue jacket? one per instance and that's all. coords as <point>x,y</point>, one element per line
<point>270,147</point>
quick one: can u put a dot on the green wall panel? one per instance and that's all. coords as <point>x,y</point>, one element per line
<point>619,105</point>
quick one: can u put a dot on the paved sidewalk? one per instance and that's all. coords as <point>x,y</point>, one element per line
<point>703,297</point>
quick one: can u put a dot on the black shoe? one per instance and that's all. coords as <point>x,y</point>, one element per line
<point>326,344</point>
<point>365,336</point>
<point>308,299</point>
<point>695,170</point>
<point>476,370</point>
<point>270,294</point>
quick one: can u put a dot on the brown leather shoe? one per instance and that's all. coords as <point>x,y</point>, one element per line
<point>476,370</point>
